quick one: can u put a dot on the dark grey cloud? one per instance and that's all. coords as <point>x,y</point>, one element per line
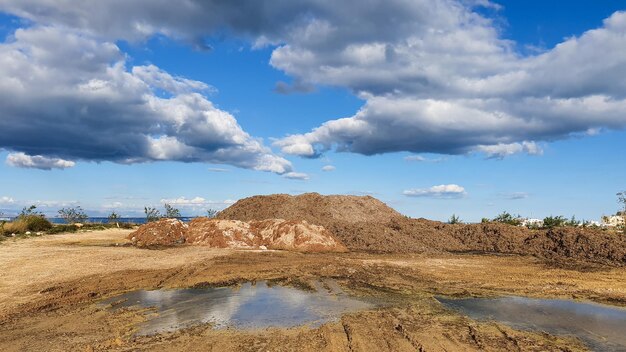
<point>435,76</point>
<point>66,96</point>
<point>275,21</point>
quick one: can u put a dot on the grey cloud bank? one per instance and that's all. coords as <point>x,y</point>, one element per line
<point>439,80</point>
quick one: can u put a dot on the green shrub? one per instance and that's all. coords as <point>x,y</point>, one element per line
<point>25,223</point>
<point>554,221</point>
<point>454,219</point>
<point>507,218</point>
<point>573,222</point>
<point>36,223</point>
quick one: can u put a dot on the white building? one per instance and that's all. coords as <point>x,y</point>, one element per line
<point>532,222</point>
<point>613,220</point>
<point>592,223</point>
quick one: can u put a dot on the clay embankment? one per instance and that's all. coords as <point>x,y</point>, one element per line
<point>292,235</point>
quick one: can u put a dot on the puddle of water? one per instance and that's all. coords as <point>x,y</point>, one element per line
<point>601,327</point>
<point>246,307</point>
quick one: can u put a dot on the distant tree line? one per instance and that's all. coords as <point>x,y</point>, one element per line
<point>153,214</point>
<point>550,221</point>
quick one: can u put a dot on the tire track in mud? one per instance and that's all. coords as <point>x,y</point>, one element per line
<point>348,332</point>
<point>418,347</point>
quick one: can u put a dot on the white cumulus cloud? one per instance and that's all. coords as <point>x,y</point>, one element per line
<point>37,162</point>
<point>6,200</point>
<point>296,176</point>
<point>440,191</point>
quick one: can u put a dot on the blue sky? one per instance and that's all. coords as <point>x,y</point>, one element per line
<point>537,158</point>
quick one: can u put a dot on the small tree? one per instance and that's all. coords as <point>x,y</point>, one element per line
<point>621,199</point>
<point>454,220</point>
<point>73,215</point>
<point>152,214</point>
<point>171,212</point>
<point>506,218</point>
<point>572,222</point>
<point>211,213</point>
<point>32,220</point>
<point>2,222</point>
<point>29,211</point>
<point>554,221</point>
<point>114,218</point>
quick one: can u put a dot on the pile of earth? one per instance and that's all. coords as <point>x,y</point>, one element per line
<point>367,224</point>
<point>299,236</point>
<point>165,232</point>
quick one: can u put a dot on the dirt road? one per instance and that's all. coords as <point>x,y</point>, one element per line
<point>49,287</point>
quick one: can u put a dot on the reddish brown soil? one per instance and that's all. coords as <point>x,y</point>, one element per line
<point>367,224</point>
<point>311,207</point>
<point>290,235</point>
<point>299,236</point>
<point>165,232</point>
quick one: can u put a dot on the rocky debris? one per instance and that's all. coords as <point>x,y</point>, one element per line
<point>367,224</point>
<point>164,232</point>
<point>297,236</point>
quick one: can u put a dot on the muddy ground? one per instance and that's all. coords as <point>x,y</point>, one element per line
<point>50,286</point>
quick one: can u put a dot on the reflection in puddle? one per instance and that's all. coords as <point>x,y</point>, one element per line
<point>246,307</point>
<point>601,327</point>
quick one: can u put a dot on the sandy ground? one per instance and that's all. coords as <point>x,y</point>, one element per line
<point>49,287</point>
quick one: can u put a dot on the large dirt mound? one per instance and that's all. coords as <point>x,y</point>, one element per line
<point>367,224</point>
<point>312,207</point>
<point>297,236</point>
